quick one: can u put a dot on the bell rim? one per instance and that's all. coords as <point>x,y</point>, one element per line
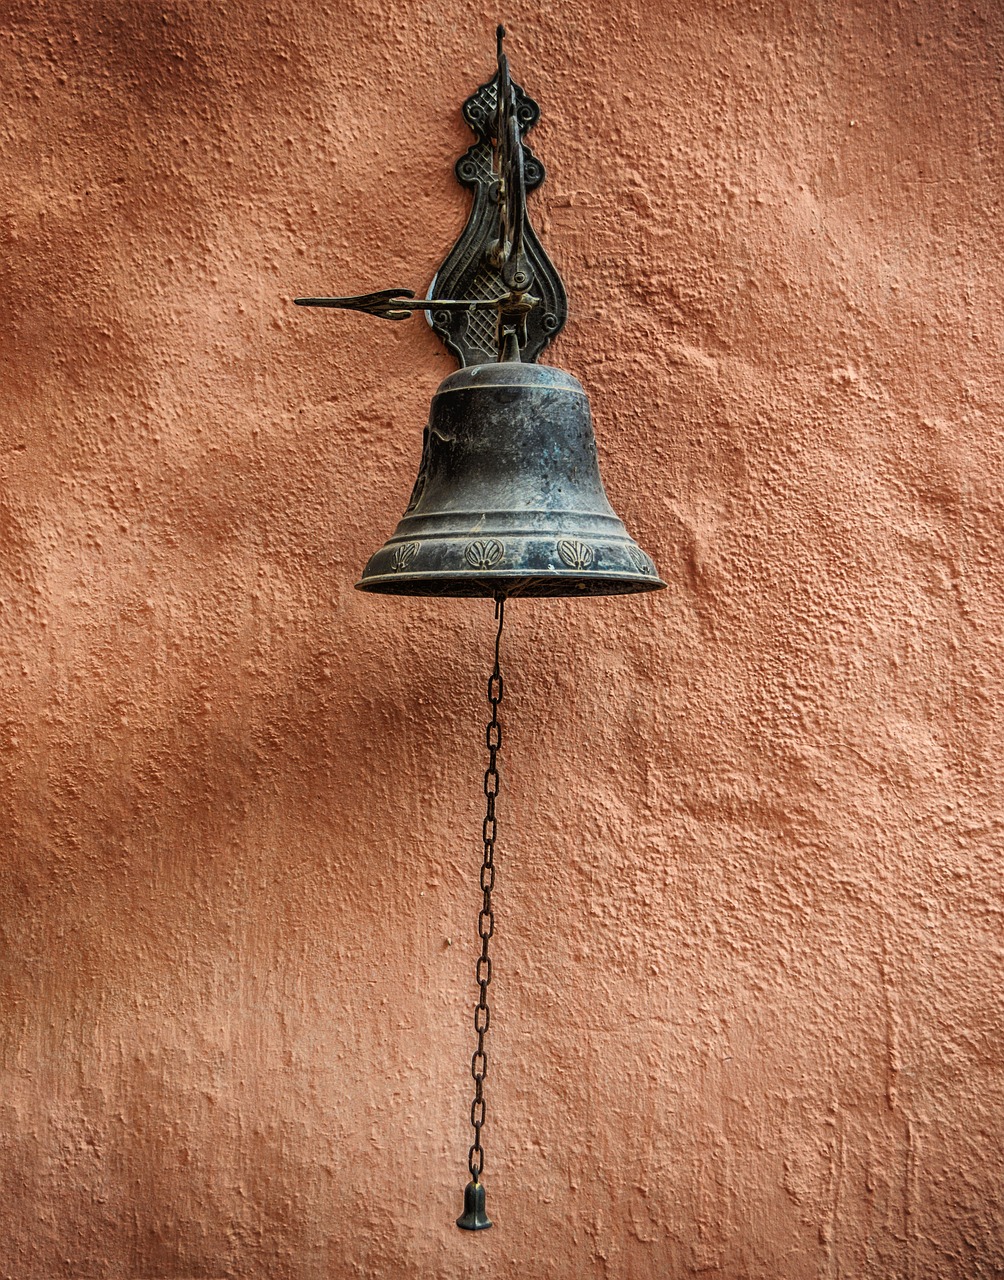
<point>541,586</point>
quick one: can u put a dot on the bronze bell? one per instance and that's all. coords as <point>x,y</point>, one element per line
<point>474,1216</point>
<point>509,499</point>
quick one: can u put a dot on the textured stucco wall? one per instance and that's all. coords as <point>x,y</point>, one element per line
<point>749,959</point>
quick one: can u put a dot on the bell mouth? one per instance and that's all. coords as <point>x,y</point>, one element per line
<point>540,586</point>
<point>543,553</point>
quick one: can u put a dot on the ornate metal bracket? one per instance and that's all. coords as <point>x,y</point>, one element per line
<point>469,270</point>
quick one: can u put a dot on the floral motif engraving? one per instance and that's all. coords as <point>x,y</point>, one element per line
<point>577,555</point>
<point>403,556</point>
<point>641,561</point>
<point>484,555</point>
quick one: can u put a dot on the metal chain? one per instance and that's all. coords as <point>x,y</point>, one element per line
<point>486,916</point>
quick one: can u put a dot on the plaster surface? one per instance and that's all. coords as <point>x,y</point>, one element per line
<point>749,951</point>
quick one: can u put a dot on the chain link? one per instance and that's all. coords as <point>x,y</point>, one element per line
<point>486,916</point>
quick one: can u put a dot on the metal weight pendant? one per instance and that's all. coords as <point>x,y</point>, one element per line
<point>474,1216</point>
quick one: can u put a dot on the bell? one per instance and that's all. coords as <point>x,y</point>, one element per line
<point>474,1217</point>
<point>509,499</point>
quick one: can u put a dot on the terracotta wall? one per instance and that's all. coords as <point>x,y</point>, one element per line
<point>749,953</point>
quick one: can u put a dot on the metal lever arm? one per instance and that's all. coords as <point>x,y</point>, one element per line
<point>509,165</point>
<point>398,304</point>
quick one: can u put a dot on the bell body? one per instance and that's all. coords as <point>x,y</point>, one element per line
<point>509,499</point>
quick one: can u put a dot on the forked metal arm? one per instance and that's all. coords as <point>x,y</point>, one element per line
<point>397,304</point>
